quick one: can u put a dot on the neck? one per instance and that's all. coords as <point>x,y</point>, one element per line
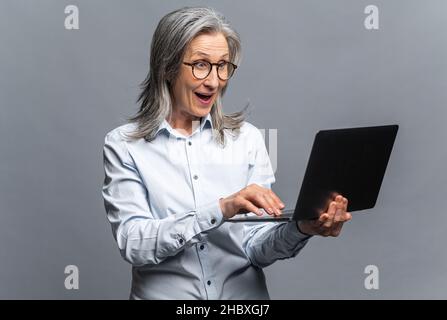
<point>184,124</point>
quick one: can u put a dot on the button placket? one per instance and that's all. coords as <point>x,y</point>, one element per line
<point>206,269</point>
<point>202,248</point>
<point>194,169</point>
<point>191,167</point>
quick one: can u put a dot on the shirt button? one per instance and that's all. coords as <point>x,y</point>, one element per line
<point>189,142</point>
<point>208,282</point>
<point>213,221</point>
<point>196,177</point>
<point>202,247</point>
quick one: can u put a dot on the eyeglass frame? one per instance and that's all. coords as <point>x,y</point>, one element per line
<point>211,69</point>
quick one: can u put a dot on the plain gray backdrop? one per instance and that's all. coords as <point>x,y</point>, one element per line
<point>307,65</point>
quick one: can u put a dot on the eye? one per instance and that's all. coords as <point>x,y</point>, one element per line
<point>222,65</point>
<point>203,65</point>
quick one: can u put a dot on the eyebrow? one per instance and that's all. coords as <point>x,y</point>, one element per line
<point>206,55</point>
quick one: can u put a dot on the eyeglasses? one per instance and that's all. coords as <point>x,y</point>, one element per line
<point>202,68</point>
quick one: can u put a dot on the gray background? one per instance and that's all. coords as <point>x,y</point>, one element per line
<point>307,65</point>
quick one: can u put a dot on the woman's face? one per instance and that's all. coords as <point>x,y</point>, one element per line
<point>193,98</point>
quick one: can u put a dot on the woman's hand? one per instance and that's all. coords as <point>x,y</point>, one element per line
<point>250,199</point>
<point>330,222</point>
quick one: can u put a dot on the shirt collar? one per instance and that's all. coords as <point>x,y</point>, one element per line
<point>163,126</point>
<point>205,122</point>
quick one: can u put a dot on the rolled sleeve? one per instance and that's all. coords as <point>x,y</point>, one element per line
<point>293,233</point>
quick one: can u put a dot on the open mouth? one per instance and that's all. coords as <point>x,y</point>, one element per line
<point>204,98</point>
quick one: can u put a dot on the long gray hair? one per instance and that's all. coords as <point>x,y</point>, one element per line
<point>170,40</point>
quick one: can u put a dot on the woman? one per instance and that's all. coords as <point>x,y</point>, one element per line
<point>181,167</point>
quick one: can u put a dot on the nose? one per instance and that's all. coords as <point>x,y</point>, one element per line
<point>212,81</point>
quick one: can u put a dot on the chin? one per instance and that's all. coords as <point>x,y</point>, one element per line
<point>202,112</point>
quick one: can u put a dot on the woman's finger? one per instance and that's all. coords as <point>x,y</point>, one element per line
<point>272,204</point>
<point>250,207</point>
<point>347,216</point>
<point>278,201</point>
<point>268,192</point>
<point>322,219</point>
<point>260,201</point>
<point>345,204</point>
<point>331,214</point>
<point>339,211</point>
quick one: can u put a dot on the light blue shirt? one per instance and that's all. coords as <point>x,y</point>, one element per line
<point>162,201</point>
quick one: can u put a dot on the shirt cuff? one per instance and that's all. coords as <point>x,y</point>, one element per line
<point>293,232</point>
<point>209,216</point>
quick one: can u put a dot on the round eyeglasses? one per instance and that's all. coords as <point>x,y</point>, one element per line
<point>202,68</point>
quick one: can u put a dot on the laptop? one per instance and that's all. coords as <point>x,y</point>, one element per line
<point>350,161</point>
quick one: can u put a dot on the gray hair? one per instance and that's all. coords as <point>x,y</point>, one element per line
<point>170,40</point>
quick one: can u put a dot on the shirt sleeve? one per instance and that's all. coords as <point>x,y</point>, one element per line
<point>143,239</point>
<point>264,243</point>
